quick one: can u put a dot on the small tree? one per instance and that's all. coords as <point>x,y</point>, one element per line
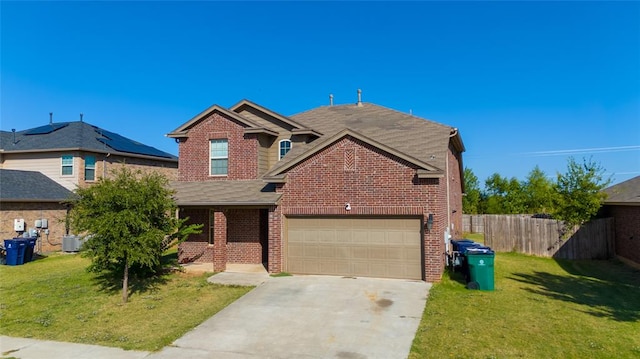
<point>503,195</point>
<point>538,192</point>
<point>579,192</point>
<point>471,198</point>
<point>130,220</point>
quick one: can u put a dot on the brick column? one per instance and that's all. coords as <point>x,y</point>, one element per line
<point>219,241</point>
<point>275,240</point>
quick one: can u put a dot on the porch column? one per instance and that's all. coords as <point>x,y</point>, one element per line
<point>275,240</point>
<point>219,241</point>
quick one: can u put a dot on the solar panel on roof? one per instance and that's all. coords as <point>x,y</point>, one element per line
<point>123,144</point>
<point>43,130</point>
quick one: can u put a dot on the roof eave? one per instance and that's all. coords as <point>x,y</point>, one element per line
<point>271,113</point>
<point>223,203</point>
<point>117,153</point>
<point>429,174</point>
<point>306,131</point>
<point>621,203</point>
<point>260,130</point>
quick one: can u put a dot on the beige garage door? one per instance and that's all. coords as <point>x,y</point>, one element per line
<point>367,247</point>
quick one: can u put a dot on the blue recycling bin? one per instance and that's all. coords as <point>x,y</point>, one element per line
<point>15,251</point>
<point>29,249</point>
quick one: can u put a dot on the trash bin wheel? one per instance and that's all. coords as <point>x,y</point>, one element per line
<point>473,285</point>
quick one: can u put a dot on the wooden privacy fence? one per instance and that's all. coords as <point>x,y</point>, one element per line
<point>549,238</point>
<point>473,223</point>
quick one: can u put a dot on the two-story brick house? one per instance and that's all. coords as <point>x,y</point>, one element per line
<point>68,155</point>
<point>353,190</point>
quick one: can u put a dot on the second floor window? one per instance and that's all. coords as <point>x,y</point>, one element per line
<point>67,165</point>
<point>89,168</point>
<point>285,146</point>
<point>219,157</point>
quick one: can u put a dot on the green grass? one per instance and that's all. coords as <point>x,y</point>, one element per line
<point>55,298</point>
<point>541,308</point>
<point>476,237</point>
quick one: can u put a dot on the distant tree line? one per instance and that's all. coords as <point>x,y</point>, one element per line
<point>574,196</point>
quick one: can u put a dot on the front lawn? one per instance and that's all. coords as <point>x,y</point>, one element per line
<point>541,308</point>
<point>55,298</point>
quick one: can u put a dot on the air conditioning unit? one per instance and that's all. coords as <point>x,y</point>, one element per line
<point>71,243</point>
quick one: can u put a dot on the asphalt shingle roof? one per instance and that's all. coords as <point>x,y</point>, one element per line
<point>422,139</point>
<point>30,186</point>
<point>627,192</point>
<point>212,193</point>
<point>78,134</point>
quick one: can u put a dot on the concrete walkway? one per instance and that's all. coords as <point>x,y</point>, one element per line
<point>286,317</point>
<point>37,349</point>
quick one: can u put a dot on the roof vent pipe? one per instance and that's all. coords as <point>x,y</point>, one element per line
<point>330,99</point>
<point>81,114</point>
<point>50,118</point>
<point>359,98</point>
<point>14,135</point>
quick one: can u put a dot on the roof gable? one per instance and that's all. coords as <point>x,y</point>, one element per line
<point>264,113</point>
<point>425,140</point>
<point>425,170</point>
<point>30,186</point>
<point>185,127</point>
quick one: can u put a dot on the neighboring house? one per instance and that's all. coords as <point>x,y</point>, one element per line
<point>33,196</point>
<point>68,154</point>
<point>623,204</point>
<point>350,190</point>
<point>77,153</point>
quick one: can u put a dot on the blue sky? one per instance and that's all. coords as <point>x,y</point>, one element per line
<point>527,83</point>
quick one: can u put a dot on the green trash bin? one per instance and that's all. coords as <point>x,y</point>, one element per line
<point>480,262</point>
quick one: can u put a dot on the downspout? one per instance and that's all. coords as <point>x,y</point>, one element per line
<point>454,132</point>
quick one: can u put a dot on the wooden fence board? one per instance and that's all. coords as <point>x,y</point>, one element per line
<point>544,237</point>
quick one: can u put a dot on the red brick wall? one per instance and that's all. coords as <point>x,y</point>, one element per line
<point>627,227</point>
<point>243,232</point>
<point>196,248</point>
<point>374,184</point>
<point>194,150</point>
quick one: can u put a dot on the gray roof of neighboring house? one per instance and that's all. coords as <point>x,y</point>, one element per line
<point>624,193</point>
<point>218,193</point>
<point>422,139</point>
<point>77,135</point>
<point>30,186</point>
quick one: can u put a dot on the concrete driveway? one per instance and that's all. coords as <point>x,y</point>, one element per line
<point>311,317</point>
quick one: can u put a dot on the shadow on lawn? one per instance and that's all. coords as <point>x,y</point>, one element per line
<point>606,288</point>
<point>140,280</point>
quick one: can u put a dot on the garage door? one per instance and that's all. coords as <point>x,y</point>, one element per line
<point>367,247</point>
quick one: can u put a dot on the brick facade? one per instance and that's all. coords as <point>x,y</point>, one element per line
<point>106,165</point>
<point>378,184</point>
<point>627,231</point>
<point>55,213</point>
<point>372,181</point>
<point>194,150</point>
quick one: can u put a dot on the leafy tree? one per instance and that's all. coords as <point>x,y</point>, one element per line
<point>503,195</point>
<point>579,192</point>
<point>471,198</point>
<point>538,192</point>
<point>130,221</point>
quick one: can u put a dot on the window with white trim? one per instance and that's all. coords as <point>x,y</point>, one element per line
<point>285,146</point>
<point>89,168</point>
<point>219,157</point>
<point>67,165</point>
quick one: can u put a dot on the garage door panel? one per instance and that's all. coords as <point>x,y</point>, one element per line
<point>355,247</point>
